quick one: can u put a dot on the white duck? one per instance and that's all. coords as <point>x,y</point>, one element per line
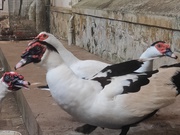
<point>10,82</point>
<point>115,98</point>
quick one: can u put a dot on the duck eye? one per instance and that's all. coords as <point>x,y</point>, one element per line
<point>44,35</point>
<point>7,78</point>
<point>34,50</point>
<point>38,48</point>
<point>158,45</point>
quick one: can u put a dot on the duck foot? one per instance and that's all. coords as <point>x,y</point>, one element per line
<point>124,130</point>
<point>85,129</point>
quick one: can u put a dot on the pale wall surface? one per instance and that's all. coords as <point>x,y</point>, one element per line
<point>5,10</point>
<point>119,30</point>
<point>61,3</point>
<point>60,13</point>
<point>59,18</point>
<point>118,41</point>
<point>64,3</point>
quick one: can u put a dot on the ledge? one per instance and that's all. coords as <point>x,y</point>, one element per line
<point>61,10</point>
<point>163,14</point>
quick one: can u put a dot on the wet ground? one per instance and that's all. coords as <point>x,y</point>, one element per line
<point>53,120</point>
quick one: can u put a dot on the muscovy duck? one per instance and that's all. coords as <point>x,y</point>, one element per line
<point>115,98</point>
<point>10,82</point>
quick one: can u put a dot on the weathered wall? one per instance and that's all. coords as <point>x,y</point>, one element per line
<point>61,3</point>
<point>5,8</point>
<point>118,41</point>
<point>60,13</point>
<point>59,18</point>
<point>119,30</point>
<point>64,3</point>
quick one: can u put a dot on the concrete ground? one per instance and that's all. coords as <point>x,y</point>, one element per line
<point>43,116</point>
<point>11,117</point>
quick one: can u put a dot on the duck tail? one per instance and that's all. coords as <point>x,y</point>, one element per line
<point>176,81</point>
<point>170,66</point>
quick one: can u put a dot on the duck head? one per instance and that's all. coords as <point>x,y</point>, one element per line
<point>36,53</point>
<point>156,50</point>
<point>33,53</point>
<point>163,49</point>
<point>43,36</point>
<point>46,39</point>
<point>14,81</point>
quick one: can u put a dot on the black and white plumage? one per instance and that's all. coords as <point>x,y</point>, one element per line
<point>113,98</point>
<point>10,82</point>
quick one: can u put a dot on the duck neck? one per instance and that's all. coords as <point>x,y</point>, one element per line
<point>66,55</point>
<point>3,90</point>
<point>51,60</point>
<point>151,52</point>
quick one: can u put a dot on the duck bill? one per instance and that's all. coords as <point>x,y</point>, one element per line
<point>169,53</point>
<point>22,63</point>
<point>21,84</point>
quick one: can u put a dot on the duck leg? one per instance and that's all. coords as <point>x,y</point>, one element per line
<point>86,129</point>
<point>124,130</point>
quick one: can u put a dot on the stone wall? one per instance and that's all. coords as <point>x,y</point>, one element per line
<point>5,8</point>
<point>118,41</point>
<point>120,30</point>
<point>59,18</point>
<point>64,3</point>
<point>61,3</point>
